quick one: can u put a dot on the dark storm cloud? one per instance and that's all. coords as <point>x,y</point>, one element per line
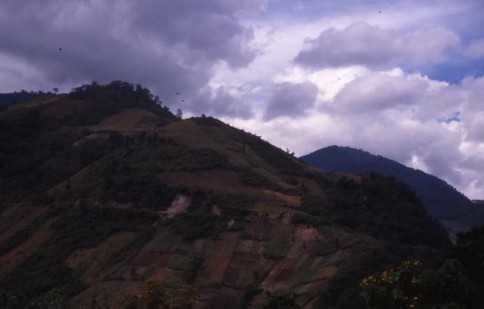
<point>290,99</point>
<point>169,46</point>
<point>207,29</point>
<point>364,44</point>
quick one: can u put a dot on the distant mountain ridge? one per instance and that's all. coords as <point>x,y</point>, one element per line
<point>441,200</point>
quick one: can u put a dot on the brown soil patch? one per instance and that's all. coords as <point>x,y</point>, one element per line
<point>312,186</point>
<point>217,137</point>
<point>310,241</point>
<point>292,200</point>
<point>218,180</point>
<point>217,260</point>
<point>307,241</point>
<point>189,133</point>
<point>259,229</point>
<point>268,172</point>
<point>250,246</point>
<point>303,266</point>
<point>306,273</point>
<point>328,272</point>
<point>93,136</point>
<point>64,107</point>
<point>127,119</point>
<point>164,241</point>
<point>239,278</point>
<point>17,218</point>
<point>308,234</point>
<point>93,260</point>
<point>74,180</point>
<point>33,103</point>
<point>166,275</point>
<point>279,277</point>
<point>22,252</point>
<point>248,264</point>
<point>317,285</point>
<point>151,258</point>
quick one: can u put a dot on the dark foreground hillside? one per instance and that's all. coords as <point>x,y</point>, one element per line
<point>108,200</point>
<point>442,201</point>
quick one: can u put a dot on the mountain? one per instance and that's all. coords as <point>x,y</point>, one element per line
<point>109,200</point>
<point>442,201</point>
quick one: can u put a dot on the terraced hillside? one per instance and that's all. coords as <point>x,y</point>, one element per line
<point>107,199</point>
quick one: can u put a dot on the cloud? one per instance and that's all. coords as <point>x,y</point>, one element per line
<point>397,94</point>
<point>378,91</point>
<point>169,46</point>
<point>473,109</point>
<point>219,101</point>
<point>406,129</point>
<point>204,30</point>
<point>476,49</point>
<point>291,99</point>
<point>364,44</point>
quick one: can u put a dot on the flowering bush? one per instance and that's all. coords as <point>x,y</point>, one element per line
<point>396,287</point>
<point>407,286</point>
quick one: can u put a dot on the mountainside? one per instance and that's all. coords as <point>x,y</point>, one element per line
<point>441,200</point>
<point>109,200</point>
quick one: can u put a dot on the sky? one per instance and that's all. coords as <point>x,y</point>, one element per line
<point>399,78</point>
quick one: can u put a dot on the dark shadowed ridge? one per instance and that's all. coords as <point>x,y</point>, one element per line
<point>442,201</point>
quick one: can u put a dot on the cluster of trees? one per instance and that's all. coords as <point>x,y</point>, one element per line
<point>108,99</point>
